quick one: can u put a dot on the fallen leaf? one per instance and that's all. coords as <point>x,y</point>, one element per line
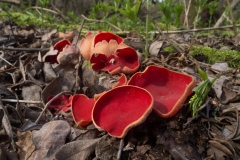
<point>77,150</point>
<point>155,48</point>
<point>68,56</point>
<point>29,126</point>
<point>31,92</point>
<point>49,138</point>
<point>49,73</point>
<point>64,82</point>
<point>220,66</point>
<point>25,144</point>
<point>107,148</point>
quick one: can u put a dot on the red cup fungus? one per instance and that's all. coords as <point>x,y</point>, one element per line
<point>122,108</point>
<point>107,52</point>
<point>59,47</point>
<point>121,81</point>
<point>81,109</point>
<point>169,89</point>
<point>62,102</point>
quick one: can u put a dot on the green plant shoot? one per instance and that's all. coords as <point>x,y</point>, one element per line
<point>201,92</point>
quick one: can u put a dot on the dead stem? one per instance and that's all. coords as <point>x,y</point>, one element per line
<point>80,59</point>
<point>186,9</point>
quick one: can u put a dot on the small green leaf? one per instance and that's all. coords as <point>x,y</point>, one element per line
<point>203,74</point>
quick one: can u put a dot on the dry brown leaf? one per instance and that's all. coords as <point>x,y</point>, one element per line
<point>31,92</point>
<point>107,148</point>
<point>68,56</point>
<point>25,144</point>
<point>155,47</point>
<point>48,139</point>
<point>49,73</point>
<point>77,150</point>
<point>64,82</point>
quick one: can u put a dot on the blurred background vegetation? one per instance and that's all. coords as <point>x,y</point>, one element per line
<point>124,15</point>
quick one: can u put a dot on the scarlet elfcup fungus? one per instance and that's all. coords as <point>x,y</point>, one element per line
<point>121,81</point>
<point>169,89</point>
<point>122,108</point>
<point>107,52</point>
<point>62,102</point>
<point>59,47</point>
<point>81,109</point>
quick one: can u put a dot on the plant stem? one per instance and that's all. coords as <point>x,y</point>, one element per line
<point>146,37</point>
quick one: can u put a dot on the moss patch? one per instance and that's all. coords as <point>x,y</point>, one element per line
<point>232,57</point>
<point>28,18</point>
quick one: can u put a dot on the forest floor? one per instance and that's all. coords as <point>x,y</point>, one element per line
<point>30,130</point>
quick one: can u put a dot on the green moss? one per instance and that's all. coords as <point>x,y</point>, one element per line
<point>169,49</point>
<point>163,26</point>
<point>29,18</point>
<point>232,57</point>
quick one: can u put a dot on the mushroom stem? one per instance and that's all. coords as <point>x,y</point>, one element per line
<point>120,148</point>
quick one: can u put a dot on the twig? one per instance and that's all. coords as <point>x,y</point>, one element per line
<point>79,60</point>
<point>45,9</point>
<point>21,101</point>
<point>16,112</point>
<point>101,21</point>
<point>6,60</point>
<point>121,144</point>
<point>3,48</point>
<point>49,102</point>
<point>174,44</point>
<point>184,31</point>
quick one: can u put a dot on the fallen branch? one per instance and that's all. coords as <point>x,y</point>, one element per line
<point>184,31</point>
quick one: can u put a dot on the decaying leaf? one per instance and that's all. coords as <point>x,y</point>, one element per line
<point>29,126</point>
<point>68,56</point>
<point>77,150</point>
<point>221,150</point>
<point>64,82</point>
<point>220,66</point>
<point>49,138</point>
<point>78,134</point>
<point>25,144</point>
<point>155,48</point>
<point>107,148</point>
<point>49,73</point>
<point>31,92</point>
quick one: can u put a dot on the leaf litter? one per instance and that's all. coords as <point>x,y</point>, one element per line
<point>28,78</point>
